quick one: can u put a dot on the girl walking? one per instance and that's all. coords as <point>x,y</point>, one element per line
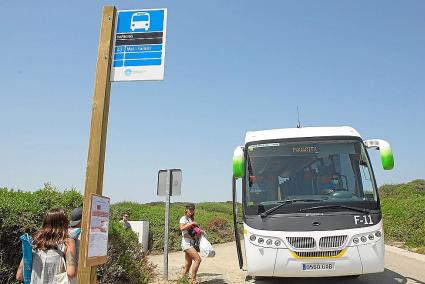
<point>190,241</point>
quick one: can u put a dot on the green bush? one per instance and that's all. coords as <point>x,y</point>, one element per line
<point>126,262</point>
<point>22,212</point>
<point>403,208</point>
<point>154,213</point>
<point>220,230</point>
<point>184,280</point>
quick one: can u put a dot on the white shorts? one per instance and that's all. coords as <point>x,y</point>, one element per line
<point>187,244</point>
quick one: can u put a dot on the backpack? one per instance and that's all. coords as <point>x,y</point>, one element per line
<point>27,257</point>
<point>48,266</point>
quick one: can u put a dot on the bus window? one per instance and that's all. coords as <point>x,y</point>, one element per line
<point>368,192</point>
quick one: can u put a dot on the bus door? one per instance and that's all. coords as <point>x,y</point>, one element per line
<point>235,224</point>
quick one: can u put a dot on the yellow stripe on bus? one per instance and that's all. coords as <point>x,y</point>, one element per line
<point>295,255</point>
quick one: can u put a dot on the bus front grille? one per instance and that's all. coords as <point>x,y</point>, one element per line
<point>332,241</point>
<point>301,242</point>
<point>318,254</point>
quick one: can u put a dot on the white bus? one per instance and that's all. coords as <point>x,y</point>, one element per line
<point>310,204</point>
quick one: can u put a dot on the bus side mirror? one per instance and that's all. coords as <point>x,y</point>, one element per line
<point>386,153</point>
<point>238,162</point>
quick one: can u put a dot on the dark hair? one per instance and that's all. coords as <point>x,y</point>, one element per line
<point>190,206</point>
<point>53,232</point>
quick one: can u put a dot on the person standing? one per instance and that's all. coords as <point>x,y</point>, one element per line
<point>74,232</point>
<point>124,221</point>
<point>53,251</point>
<point>190,242</point>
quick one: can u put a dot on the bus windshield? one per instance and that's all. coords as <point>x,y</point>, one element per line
<point>328,172</point>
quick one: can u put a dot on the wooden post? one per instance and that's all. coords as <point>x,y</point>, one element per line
<point>98,129</point>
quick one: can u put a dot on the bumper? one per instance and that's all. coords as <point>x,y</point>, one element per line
<point>282,263</point>
<point>288,266</point>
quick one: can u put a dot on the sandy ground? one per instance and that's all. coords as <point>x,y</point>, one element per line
<point>400,267</point>
<point>223,268</point>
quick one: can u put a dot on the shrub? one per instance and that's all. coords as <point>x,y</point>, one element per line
<point>154,213</point>
<point>219,230</point>
<point>22,212</point>
<point>184,280</point>
<point>126,262</point>
<point>403,208</point>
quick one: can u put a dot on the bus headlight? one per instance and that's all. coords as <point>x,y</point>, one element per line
<point>265,241</point>
<point>366,238</point>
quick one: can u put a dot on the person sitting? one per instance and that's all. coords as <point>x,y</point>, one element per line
<point>329,184</point>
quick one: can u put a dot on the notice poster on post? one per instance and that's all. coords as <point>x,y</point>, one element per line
<point>97,246</point>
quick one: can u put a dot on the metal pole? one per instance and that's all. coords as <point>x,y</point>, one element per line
<point>167,221</point>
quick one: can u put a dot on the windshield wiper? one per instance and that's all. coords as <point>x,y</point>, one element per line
<point>363,210</point>
<point>284,202</point>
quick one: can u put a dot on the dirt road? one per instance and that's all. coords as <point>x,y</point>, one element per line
<point>400,268</point>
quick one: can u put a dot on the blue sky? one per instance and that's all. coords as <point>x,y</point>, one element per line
<point>231,66</point>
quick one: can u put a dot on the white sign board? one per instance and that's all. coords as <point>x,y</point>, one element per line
<point>97,247</point>
<point>139,46</point>
<point>141,228</point>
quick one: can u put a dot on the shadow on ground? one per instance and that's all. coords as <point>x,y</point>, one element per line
<point>215,280</point>
<point>208,274</point>
<point>387,277</point>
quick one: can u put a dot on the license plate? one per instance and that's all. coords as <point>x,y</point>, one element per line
<point>318,266</point>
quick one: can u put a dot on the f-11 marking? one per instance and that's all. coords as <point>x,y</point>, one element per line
<point>366,220</point>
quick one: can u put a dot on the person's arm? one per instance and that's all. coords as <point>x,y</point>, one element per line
<point>19,273</point>
<point>184,227</point>
<point>70,257</point>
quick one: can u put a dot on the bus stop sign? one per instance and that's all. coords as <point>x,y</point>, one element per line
<point>139,46</point>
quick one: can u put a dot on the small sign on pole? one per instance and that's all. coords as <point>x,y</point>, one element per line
<point>176,181</point>
<point>97,247</point>
<point>139,49</point>
<point>169,183</point>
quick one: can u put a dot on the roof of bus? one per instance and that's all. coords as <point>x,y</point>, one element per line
<point>300,132</point>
